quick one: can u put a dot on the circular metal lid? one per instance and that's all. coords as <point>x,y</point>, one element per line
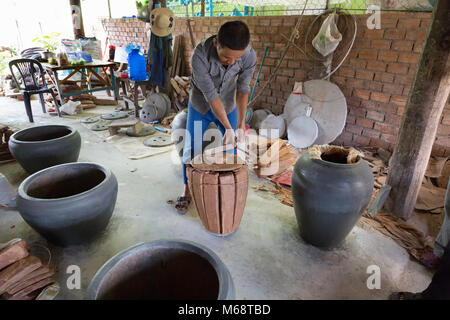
<point>160,140</point>
<point>90,120</point>
<point>99,127</point>
<point>145,131</point>
<point>302,132</point>
<point>114,115</point>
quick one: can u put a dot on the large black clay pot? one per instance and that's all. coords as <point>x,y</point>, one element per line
<point>70,203</point>
<point>41,147</point>
<point>330,196</point>
<point>163,270</point>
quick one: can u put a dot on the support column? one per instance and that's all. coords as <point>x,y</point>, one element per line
<point>420,122</point>
<point>77,19</point>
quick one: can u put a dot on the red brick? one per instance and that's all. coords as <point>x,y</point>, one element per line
<point>388,56</point>
<point>376,66</point>
<point>393,89</point>
<point>384,77</point>
<point>368,54</point>
<point>357,111</point>
<point>425,23</point>
<point>357,63</point>
<point>356,83</point>
<point>389,138</point>
<point>362,94</point>
<point>418,46</point>
<point>378,143</point>
<point>373,86</point>
<point>409,23</point>
<point>380,97</point>
<point>409,58</point>
<point>403,45</point>
<point>381,44</point>
<point>345,138</point>
<point>371,133</point>
<point>385,128</point>
<point>354,129</point>
<point>443,130</point>
<point>394,34</point>
<point>393,119</point>
<point>397,68</point>
<point>374,34</point>
<point>366,123</point>
<point>400,111</point>
<point>346,72</point>
<point>374,115</point>
<point>399,100</point>
<point>405,80</point>
<point>353,102</point>
<point>363,74</point>
<point>361,140</point>
<point>416,35</point>
<point>350,119</point>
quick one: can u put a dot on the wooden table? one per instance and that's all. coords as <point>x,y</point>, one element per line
<point>87,71</point>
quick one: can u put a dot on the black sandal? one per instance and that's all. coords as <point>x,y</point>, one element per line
<point>182,204</point>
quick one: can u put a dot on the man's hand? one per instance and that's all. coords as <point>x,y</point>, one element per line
<point>229,138</point>
<point>240,132</point>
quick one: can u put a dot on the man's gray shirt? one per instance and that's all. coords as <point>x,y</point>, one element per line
<point>211,80</point>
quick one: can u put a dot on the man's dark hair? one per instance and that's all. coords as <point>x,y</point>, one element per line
<point>234,35</point>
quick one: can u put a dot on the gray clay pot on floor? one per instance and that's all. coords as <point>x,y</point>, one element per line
<point>42,147</point>
<point>329,198</point>
<point>68,204</point>
<point>163,270</point>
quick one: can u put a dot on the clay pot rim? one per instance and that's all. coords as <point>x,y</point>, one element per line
<point>222,272</point>
<point>338,165</point>
<point>72,130</point>
<point>23,188</point>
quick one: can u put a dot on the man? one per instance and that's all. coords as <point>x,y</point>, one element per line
<point>439,288</point>
<point>222,67</point>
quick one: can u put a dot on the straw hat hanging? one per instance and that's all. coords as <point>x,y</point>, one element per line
<point>162,21</point>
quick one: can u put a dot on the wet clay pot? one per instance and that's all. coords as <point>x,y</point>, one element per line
<point>70,203</point>
<point>163,270</point>
<point>41,147</point>
<point>329,196</point>
<point>219,197</point>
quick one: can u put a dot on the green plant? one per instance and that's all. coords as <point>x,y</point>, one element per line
<point>49,42</point>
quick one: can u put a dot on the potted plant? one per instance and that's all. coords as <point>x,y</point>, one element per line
<point>50,43</point>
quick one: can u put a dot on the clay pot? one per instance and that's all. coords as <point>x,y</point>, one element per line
<point>330,195</point>
<point>41,147</point>
<point>70,203</point>
<point>219,197</point>
<point>163,270</point>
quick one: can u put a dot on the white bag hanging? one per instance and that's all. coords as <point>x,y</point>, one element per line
<point>328,37</point>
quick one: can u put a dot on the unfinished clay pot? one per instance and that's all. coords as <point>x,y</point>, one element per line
<point>330,189</point>
<point>219,197</point>
<point>69,203</point>
<point>163,270</point>
<point>37,148</point>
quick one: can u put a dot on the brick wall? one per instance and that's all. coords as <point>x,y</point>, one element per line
<point>376,77</point>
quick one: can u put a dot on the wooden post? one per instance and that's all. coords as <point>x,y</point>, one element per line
<point>426,102</point>
<point>77,19</point>
<point>109,8</point>
<point>203,8</point>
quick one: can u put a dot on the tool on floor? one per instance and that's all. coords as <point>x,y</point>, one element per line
<point>135,125</point>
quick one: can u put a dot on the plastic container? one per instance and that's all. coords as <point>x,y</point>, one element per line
<point>136,64</point>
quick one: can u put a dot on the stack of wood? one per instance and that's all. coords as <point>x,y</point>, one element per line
<point>273,157</point>
<point>180,91</point>
<point>5,133</point>
<point>22,277</point>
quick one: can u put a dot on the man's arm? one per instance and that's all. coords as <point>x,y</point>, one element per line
<point>243,88</point>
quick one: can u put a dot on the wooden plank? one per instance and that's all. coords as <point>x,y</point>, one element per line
<point>426,102</point>
<point>196,188</point>
<point>17,271</point>
<point>30,281</point>
<point>241,181</point>
<point>210,192</point>
<point>274,153</point>
<point>38,285</point>
<point>227,202</point>
<point>12,251</point>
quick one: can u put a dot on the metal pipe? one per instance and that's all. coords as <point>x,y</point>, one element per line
<point>259,72</point>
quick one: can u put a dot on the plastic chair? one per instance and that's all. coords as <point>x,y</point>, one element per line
<point>30,79</point>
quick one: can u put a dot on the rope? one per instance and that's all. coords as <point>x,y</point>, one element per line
<point>37,244</point>
<point>294,35</point>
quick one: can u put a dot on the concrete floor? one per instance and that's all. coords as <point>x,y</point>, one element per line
<point>266,256</point>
